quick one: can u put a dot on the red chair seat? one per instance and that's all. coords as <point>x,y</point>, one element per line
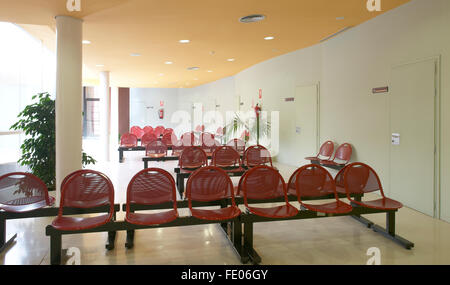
<point>15,206</point>
<point>337,207</point>
<point>75,224</point>
<point>128,145</point>
<point>152,219</point>
<point>313,158</point>
<point>283,211</point>
<point>217,214</point>
<point>156,155</point>
<point>381,204</point>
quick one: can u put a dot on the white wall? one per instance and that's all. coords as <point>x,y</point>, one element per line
<point>347,68</point>
<point>145,103</point>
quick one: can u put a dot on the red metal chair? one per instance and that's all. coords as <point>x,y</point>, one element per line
<point>359,178</point>
<point>199,129</point>
<point>177,148</point>
<point>339,181</point>
<point>152,186</point>
<point>314,181</point>
<point>23,192</point>
<point>341,157</point>
<point>137,131</point>
<point>265,183</point>
<point>168,131</point>
<point>193,157</point>
<point>208,143</point>
<point>85,189</point>
<point>257,155</point>
<point>211,184</point>
<point>159,130</point>
<point>156,149</point>
<point>148,138</point>
<point>325,152</point>
<point>238,145</point>
<point>226,156</point>
<point>128,140</point>
<point>169,139</point>
<point>188,139</point>
<point>148,129</point>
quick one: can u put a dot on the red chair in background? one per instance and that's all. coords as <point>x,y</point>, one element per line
<point>257,155</point>
<point>169,139</point>
<point>199,129</point>
<point>208,143</point>
<point>85,189</point>
<point>211,184</point>
<point>128,140</point>
<point>265,183</point>
<point>359,179</point>
<point>325,152</point>
<point>341,157</point>
<point>226,157</point>
<point>193,157</point>
<point>177,148</point>
<point>137,131</point>
<point>167,131</point>
<point>152,186</point>
<point>188,139</point>
<point>148,129</point>
<point>238,145</point>
<point>314,181</point>
<point>159,130</point>
<point>148,138</point>
<point>339,181</point>
<point>156,149</point>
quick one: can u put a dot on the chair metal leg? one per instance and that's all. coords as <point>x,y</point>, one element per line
<point>129,244</point>
<point>248,244</point>
<point>55,249</point>
<point>4,244</point>
<point>389,231</point>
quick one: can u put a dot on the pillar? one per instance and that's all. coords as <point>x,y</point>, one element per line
<point>105,114</point>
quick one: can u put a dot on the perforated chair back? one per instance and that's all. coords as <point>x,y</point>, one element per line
<point>339,181</point>
<point>207,140</point>
<point>311,181</point>
<point>168,131</point>
<point>128,140</point>
<point>199,128</point>
<point>225,156</point>
<point>238,145</point>
<point>159,130</point>
<point>262,183</point>
<point>151,186</point>
<point>177,148</point>
<point>326,150</point>
<point>188,139</point>
<point>148,129</point>
<point>257,155</point>
<point>193,157</point>
<point>209,184</point>
<point>343,154</point>
<point>156,149</point>
<point>137,131</point>
<point>169,139</point>
<point>359,178</point>
<point>23,192</point>
<point>148,138</point>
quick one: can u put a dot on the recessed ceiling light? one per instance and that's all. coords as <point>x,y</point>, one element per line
<point>184,41</point>
<point>231,59</point>
<point>99,65</point>
<point>269,38</point>
<point>252,18</point>
<point>168,62</point>
<point>340,18</point>
<point>86,42</point>
<point>135,54</point>
<point>195,78</point>
<point>209,71</point>
<point>193,68</point>
<point>161,74</point>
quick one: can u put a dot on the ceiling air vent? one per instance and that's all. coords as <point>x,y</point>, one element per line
<point>252,18</point>
<point>193,68</point>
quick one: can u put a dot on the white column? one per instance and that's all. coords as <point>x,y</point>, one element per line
<point>69,134</point>
<point>114,123</point>
<point>105,115</point>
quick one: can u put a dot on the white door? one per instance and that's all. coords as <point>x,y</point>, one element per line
<point>412,121</point>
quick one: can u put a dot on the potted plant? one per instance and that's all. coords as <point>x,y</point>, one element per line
<point>37,121</point>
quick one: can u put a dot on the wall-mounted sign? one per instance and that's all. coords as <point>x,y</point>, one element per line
<point>380,90</point>
<point>290,99</point>
<point>161,103</point>
<point>73,5</point>
<point>260,93</point>
<point>395,139</point>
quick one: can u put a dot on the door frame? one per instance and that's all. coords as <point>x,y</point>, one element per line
<point>437,128</point>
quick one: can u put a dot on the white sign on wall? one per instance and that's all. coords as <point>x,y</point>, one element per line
<point>395,139</point>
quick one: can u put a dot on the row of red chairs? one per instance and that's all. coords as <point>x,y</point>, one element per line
<point>341,157</point>
<point>158,131</point>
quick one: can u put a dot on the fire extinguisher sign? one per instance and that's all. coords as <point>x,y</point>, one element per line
<point>260,93</point>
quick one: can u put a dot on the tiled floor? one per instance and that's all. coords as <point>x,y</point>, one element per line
<point>336,240</point>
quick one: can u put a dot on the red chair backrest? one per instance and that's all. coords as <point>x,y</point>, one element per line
<point>169,139</point>
<point>262,183</point>
<point>151,186</point>
<point>207,139</point>
<point>257,155</point>
<point>209,184</point>
<point>156,148</point>
<point>225,156</point>
<point>159,130</point>
<point>21,189</point>
<point>168,131</point>
<point>200,128</point>
<point>87,189</point>
<point>311,181</point>
<point>326,150</point>
<point>148,138</point>
<point>219,131</point>
<point>193,157</point>
<point>359,178</point>
<point>188,139</point>
<point>238,145</point>
<point>137,131</point>
<point>178,148</point>
<point>148,129</point>
<point>343,153</point>
<point>128,140</point>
